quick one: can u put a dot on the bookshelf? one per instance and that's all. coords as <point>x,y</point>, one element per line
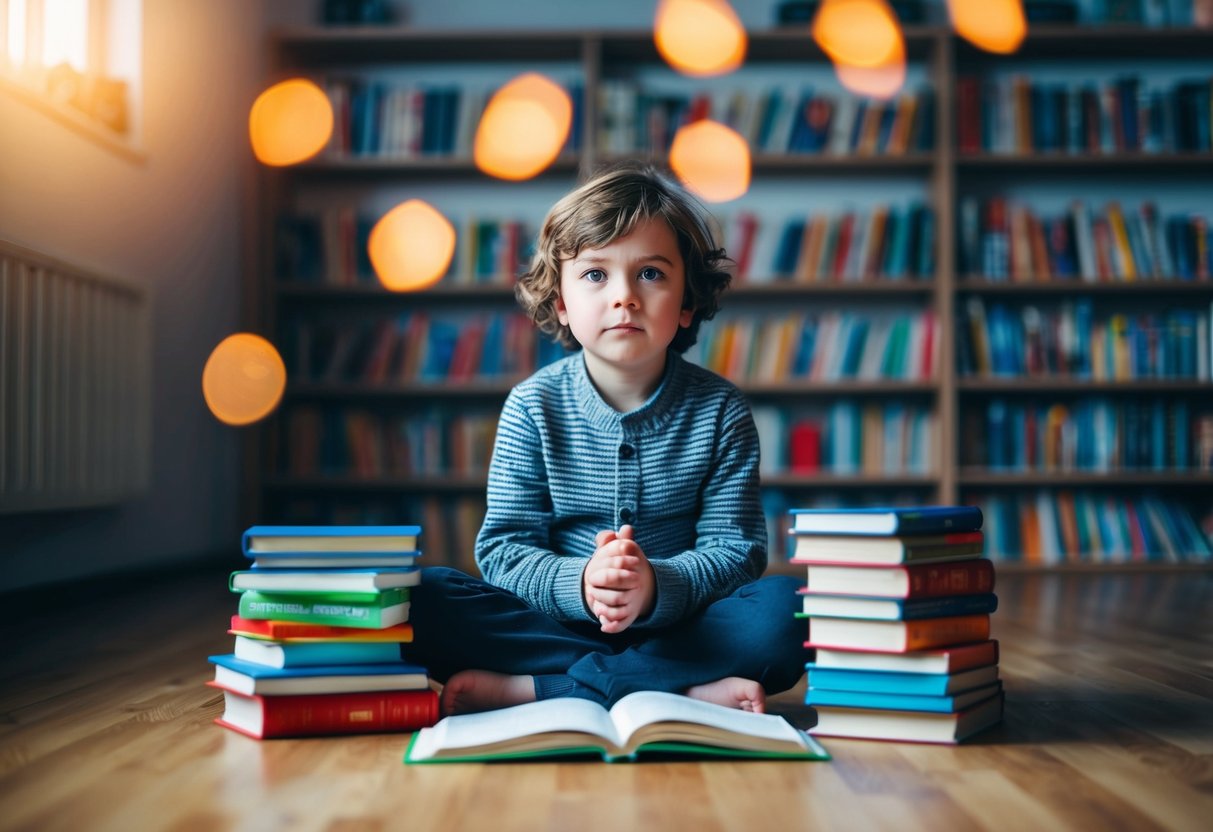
<point>936,175</point>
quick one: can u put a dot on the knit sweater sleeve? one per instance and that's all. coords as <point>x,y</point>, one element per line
<point>731,540</point>
<point>513,547</point>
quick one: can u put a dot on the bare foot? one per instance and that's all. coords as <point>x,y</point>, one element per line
<point>732,692</point>
<point>482,690</point>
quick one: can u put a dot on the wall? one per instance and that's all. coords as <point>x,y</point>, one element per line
<point>173,225</point>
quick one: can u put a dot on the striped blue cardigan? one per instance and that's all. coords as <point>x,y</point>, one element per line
<point>682,469</point>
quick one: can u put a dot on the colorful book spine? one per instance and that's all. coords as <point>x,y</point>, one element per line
<point>337,612</point>
<point>313,715</point>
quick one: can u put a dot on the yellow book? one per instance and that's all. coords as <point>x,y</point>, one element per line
<point>1121,250</point>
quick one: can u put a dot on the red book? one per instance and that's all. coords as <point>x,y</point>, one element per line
<point>805,446</point>
<point>923,580</point>
<point>968,114</point>
<point>317,715</point>
<point>298,631</point>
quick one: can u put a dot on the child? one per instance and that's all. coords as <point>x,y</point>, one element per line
<point>624,536</point>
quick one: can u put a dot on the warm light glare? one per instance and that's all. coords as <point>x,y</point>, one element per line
<point>65,33</point>
<point>411,246</point>
<point>864,40</point>
<point>243,379</point>
<point>699,37</point>
<point>16,31</point>
<point>523,129</point>
<point>993,25</point>
<point>875,81</point>
<point>858,33</point>
<point>711,160</point>
<point>290,122</point>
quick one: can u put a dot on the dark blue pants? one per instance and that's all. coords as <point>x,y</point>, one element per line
<point>463,623</point>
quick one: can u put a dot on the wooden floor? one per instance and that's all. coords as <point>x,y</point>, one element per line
<point>106,724</point>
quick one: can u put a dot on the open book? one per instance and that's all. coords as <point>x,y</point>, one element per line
<point>640,723</point>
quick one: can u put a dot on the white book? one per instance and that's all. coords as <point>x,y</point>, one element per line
<point>326,580</point>
<point>907,726</point>
<point>639,722</point>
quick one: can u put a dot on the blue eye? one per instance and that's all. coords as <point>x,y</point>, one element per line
<point>595,276</point>
<point>650,273</point>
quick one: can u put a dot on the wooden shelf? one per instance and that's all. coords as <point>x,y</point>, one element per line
<point>474,388</point>
<point>776,289</point>
<point>761,291</point>
<point>1119,42</point>
<point>423,167</point>
<point>986,478</point>
<point>1045,286</point>
<point>1081,386</point>
<point>838,388</point>
<point>1118,163</point>
<point>421,483</point>
<point>828,480</point>
<point>373,291</point>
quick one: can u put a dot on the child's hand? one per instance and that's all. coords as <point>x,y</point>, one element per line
<point>618,583</point>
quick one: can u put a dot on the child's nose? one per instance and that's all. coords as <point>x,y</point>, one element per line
<point>625,295</point>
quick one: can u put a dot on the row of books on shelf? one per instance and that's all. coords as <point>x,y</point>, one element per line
<point>1071,341</point>
<point>322,618</point>
<point>379,118</point>
<point>351,442</point>
<point>826,347</point>
<point>1091,434</point>
<point>889,242</point>
<point>329,248</point>
<point>1006,241</point>
<point>416,347</point>
<point>1056,527</point>
<point>897,603</point>
<point>774,120</point>
<point>848,437</point>
<point>1013,114</point>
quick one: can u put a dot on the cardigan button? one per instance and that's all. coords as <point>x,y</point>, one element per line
<point>625,515</point>
<point>627,451</point>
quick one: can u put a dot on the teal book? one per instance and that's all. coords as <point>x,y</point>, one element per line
<point>370,610</point>
<point>314,653</point>
<point>267,541</point>
<point>901,702</point>
<point>905,684</point>
<point>887,520</point>
<point>640,725</point>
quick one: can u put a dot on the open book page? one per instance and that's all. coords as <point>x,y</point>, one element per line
<point>652,715</point>
<point>553,723</point>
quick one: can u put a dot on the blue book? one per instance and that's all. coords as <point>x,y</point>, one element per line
<point>902,702</point>
<point>905,684</point>
<point>315,653</point>
<point>254,679</point>
<point>897,609</point>
<point>269,541</point>
<point>887,520</point>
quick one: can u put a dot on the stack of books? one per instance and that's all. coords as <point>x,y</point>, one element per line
<point>322,614</point>
<point>898,603</point>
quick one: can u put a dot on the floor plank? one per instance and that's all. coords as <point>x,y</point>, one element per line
<point>105,724</point>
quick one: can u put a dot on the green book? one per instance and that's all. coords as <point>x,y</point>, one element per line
<point>370,610</point>
<point>640,725</point>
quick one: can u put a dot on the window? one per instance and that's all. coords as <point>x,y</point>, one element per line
<point>78,59</point>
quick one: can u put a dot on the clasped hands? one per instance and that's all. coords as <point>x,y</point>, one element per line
<point>618,583</point>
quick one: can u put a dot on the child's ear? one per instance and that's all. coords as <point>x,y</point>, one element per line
<point>685,317</point>
<point>562,313</point>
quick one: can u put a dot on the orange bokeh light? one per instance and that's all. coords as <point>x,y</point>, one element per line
<point>411,246</point>
<point>858,33</point>
<point>243,379</point>
<point>875,81</point>
<point>699,37</point>
<point>290,122</point>
<point>993,25</point>
<point>711,160</point>
<point>523,128</point>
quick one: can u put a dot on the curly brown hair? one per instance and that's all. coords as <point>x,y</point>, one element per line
<point>609,206</point>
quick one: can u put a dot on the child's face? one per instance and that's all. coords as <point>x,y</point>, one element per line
<point>623,301</point>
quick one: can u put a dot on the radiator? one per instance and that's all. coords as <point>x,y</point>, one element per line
<point>75,406</point>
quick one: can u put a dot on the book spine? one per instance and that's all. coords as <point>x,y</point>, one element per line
<point>348,713</point>
<point>936,632</point>
<point>964,578</point>
<point>254,605</point>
